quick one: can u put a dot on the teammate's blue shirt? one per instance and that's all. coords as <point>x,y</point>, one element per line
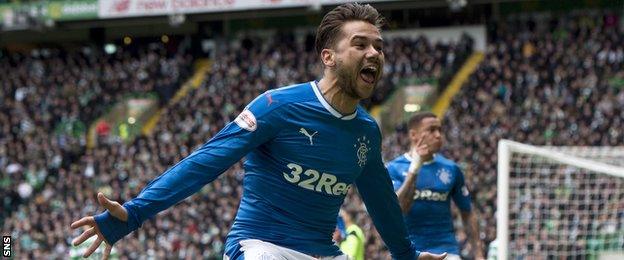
<point>302,158</point>
<point>429,221</point>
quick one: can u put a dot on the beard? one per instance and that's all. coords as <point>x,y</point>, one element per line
<point>347,79</point>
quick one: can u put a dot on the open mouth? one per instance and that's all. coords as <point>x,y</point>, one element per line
<point>369,74</point>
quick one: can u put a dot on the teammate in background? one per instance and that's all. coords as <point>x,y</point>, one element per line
<point>425,182</point>
<point>350,237</point>
<point>305,146</point>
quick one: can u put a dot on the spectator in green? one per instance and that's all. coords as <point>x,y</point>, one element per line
<point>350,237</point>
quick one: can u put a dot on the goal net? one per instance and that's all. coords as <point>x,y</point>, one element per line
<point>560,202</point>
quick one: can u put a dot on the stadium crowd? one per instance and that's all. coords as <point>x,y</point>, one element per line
<point>47,98</point>
<point>533,86</point>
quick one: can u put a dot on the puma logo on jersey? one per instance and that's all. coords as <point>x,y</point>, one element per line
<point>315,181</point>
<point>305,132</point>
<point>430,195</point>
<point>269,99</point>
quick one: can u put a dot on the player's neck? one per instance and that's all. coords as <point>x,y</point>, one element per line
<point>337,97</point>
<point>427,158</point>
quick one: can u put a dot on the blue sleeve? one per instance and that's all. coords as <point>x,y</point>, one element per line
<point>395,175</point>
<point>460,193</point>
<point>257,124</point>
<point>381,202</point>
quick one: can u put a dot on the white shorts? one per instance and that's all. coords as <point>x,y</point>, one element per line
<point>452,257</point>
<point>254,249</point>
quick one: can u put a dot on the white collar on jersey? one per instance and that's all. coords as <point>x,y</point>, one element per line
<point>327,106</point>
<point>409,158</point>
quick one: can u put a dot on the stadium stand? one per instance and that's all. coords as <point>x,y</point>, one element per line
<point>49,96</point>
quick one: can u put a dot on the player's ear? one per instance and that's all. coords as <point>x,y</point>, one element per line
<point>328,57</point>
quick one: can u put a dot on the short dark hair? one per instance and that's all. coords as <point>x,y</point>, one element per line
<point>417,118</point>
<point>329,29</point>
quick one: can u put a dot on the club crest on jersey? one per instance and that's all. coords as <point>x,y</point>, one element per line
<point>246,120</point>
<point>362,150</point>
<point>444,175</point>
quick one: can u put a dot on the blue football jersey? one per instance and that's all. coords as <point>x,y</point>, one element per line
<point>429,221</point>
<point>302,158</point>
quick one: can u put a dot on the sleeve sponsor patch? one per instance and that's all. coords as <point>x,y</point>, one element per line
<point>246,120</point>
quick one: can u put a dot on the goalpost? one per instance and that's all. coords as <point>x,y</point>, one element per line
<point>560,202</point>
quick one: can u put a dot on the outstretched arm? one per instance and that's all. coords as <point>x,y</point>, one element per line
<point>180,181</point>
<point>381,202</point>
<point>255,125</point>
<point>383,207</point>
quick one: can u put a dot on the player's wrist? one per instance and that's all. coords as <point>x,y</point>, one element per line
<point>112,228</point>
<point>415,164</point>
